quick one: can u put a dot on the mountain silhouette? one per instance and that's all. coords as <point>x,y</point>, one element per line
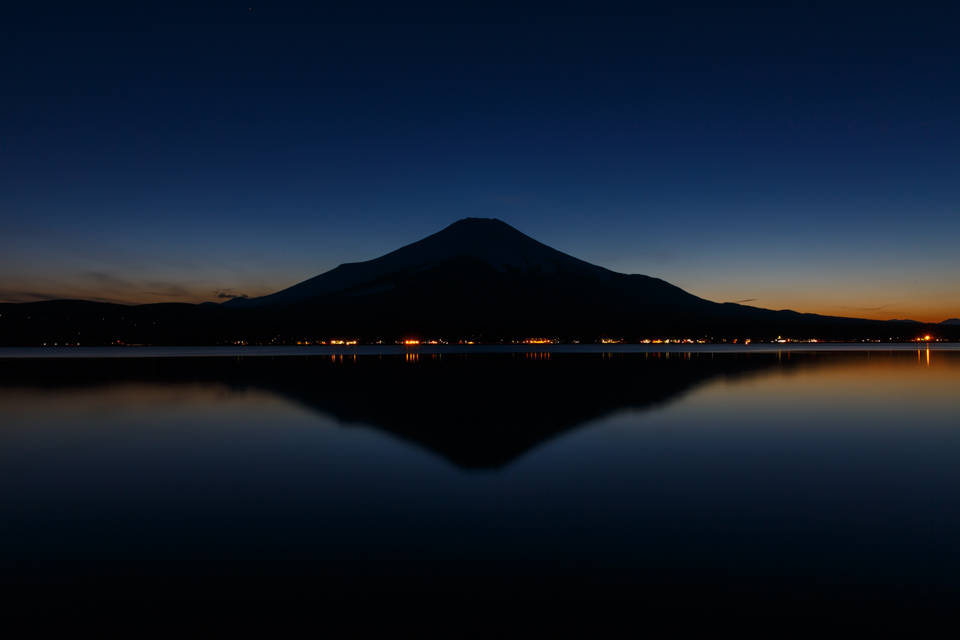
<point>477,280</point>
<point>491,241</point>
<point>481,277</point>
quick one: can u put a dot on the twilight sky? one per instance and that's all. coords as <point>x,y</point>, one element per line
<point>798,155</point>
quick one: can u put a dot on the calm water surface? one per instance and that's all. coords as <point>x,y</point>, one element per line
<point>483,494</point>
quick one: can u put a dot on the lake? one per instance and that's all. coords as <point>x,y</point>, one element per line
<point>482,494</point>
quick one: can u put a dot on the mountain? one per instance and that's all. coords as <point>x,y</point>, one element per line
<point>494,243</point>
<point>477,280</point>
<point>951,321</point>
<point>475,274</point>
<point>482,277</point>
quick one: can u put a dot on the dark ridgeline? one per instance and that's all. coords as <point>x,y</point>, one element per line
<point>477,411</point>
<point>478,279</point>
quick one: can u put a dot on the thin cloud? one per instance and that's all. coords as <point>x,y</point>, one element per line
<point>106,279</point>
<point>15,296</point>
<point>892,304</point>
<point>225,294</point>
<point>169,289</point>
<point>20,296</point>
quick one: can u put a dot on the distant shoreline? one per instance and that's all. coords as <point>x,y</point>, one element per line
<point>456,349</point>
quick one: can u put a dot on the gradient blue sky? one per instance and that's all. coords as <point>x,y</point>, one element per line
<point>803,156</point>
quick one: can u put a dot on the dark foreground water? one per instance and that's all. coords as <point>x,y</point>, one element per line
<point>485,495</point>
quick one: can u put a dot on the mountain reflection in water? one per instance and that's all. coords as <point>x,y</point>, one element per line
<point>478,411</point>
<point>620,491</point>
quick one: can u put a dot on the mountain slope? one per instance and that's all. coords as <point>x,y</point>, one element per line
<point>491,241</point>
<point>482,275</point>
<point>476,280</point>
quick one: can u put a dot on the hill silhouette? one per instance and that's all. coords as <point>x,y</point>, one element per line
<point>476,280</point>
